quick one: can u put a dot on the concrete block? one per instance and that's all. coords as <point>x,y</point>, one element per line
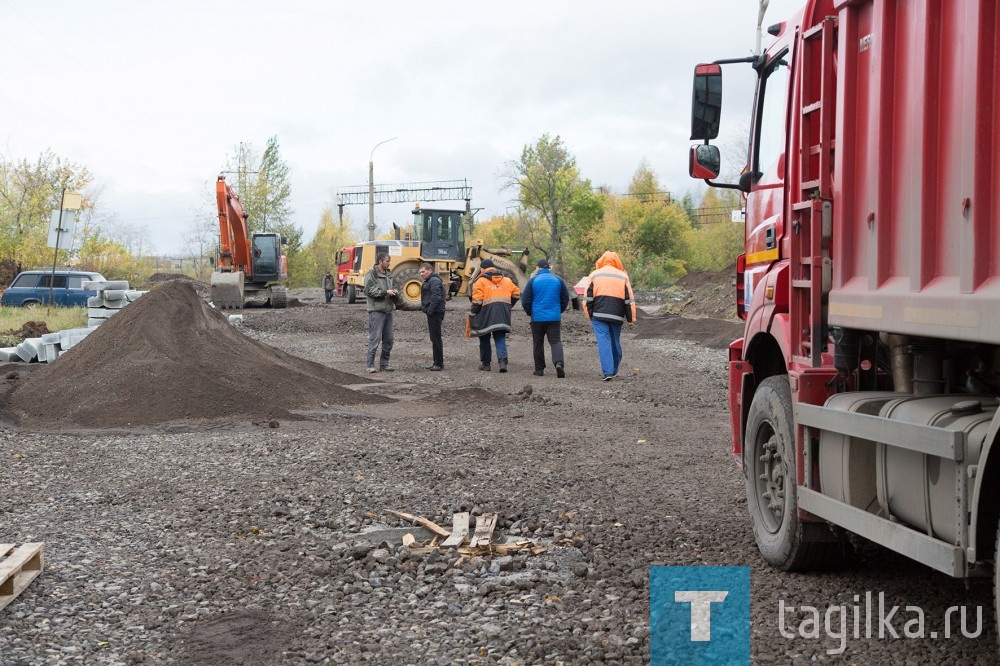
<point>48,353</point>
<point>50,338</point>
<point>94,323</point>
<point>27,351</point>
<point>8,354</point>
<point>100,313</point>
<point>115,305</point>
<point>71,336</point>
<point>235,320</point>
<point>133,294</point>
<point>94,285</point>
<point>113,294</point>
<point>95,302</point>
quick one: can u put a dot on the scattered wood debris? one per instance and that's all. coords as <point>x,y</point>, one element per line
<point>481,542</point>
<point>19,565</point>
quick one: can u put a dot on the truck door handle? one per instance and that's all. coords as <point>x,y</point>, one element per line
<point>770,238</point>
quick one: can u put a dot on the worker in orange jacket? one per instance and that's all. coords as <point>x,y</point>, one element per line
<point>609,303</point>
<point>493,297</point>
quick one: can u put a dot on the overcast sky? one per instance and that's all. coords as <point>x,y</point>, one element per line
<point>153,96</point>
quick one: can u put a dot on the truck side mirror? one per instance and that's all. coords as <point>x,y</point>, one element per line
<point>704,162</point>
<point>706,102</point>
<point>284,240</point>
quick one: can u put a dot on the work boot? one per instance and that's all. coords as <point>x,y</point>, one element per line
<point>539,373</point>
<point>503,365</point>
<point>560,373</point>
<point>485,367</point>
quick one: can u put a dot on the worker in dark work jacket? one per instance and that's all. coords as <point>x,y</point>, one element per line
<point>493,298</point>
<point>380,297</point>
<point>609,304</point>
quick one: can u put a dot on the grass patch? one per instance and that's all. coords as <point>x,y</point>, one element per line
<point>14,320</point>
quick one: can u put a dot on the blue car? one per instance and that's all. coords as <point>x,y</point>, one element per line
<point>31,288</point>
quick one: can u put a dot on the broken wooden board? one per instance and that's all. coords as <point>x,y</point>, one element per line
<point>459,530</point>
<point>485,523</point>
<point>424,522</point>
<point>19,565</point>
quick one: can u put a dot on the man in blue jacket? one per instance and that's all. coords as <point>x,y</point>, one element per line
<point>545,298</point>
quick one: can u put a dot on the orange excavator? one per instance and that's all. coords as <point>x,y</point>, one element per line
<point>249,268</point>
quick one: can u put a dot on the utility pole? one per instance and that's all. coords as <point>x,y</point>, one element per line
<point>371,189</point>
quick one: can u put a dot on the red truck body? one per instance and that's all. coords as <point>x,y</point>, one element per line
<point>863,393</point>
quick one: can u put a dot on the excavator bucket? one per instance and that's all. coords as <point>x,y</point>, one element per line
<point>227,290</point>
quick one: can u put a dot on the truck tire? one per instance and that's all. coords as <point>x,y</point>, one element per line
<point>769,447</point>
<point>408,281</point>
<point>352,294</point>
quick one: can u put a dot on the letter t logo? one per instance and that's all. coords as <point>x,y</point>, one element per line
<point>701,610</point>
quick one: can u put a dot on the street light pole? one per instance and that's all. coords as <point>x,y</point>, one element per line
<point>371,189</point>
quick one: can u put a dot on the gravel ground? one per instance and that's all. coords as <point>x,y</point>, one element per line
<point>236,543</point>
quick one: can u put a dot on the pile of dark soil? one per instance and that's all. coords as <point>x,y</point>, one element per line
<point>29,329</point>
<point>203,289</point>
<point>708,331</point>
<point>169,357</point>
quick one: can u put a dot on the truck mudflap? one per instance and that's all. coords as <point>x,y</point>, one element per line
<point>227,290</point>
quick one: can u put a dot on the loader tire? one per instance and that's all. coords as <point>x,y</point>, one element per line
<point>408,281</point>
<point>352,294</point>
<point>769,446</point>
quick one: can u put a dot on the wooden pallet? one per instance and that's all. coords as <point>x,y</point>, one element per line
<point>19,565</point>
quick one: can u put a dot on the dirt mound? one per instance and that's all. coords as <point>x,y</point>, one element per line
<point>203,289</point>
<point>170,357</point>
<point>30,329</point>
<point>710,332</point>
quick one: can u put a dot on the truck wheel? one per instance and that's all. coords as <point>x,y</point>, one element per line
<point>409,282</point>
<point>352,294</point>
<point>770,480</point>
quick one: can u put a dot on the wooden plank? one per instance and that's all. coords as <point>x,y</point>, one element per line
<point>484,530</point>
<point>429,524</point>
<point>459,530</point>
<point>18,567</point>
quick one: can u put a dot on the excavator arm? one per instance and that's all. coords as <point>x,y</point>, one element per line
<point>234,238</point>
<point>234,265</point>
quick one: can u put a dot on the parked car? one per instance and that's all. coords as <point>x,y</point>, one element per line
<point>33,288</point>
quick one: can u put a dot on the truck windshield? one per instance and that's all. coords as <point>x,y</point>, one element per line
<point>773,107</point>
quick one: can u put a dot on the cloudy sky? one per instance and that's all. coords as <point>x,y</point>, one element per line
<point>153,97</point>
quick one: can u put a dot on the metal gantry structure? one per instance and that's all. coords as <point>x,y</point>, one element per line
<point>439,190</point>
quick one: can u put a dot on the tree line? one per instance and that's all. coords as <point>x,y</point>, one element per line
<point>558,214</point>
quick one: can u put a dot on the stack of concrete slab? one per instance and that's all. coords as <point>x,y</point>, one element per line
<point>46,348</point>
<point>112,296</point>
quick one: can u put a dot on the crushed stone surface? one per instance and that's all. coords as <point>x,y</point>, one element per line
<point>249,540</point>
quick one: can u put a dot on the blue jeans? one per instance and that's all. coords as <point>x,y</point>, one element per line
<point>609,344</point>
<point>486,352</point>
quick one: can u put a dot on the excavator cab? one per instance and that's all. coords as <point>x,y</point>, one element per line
<point>266,257</point>
<point>441,233</point>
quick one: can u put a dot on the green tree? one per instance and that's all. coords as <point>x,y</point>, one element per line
<point>547,181</point>
<point>265,191</point>
<point>29,191</point>
<point>319,254</point>
<point>262,182</point>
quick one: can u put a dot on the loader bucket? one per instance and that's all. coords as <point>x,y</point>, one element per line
<point>227,290</point>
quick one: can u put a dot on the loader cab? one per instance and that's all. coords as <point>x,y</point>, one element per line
<point>441,233</point>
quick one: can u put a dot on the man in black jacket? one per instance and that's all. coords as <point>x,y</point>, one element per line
<point>432,305</point>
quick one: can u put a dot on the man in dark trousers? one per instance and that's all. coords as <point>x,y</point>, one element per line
<point>432,304</point>
<point>545,298</point>
<point>328,286</point>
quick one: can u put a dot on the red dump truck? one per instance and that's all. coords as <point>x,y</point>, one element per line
<point>863,394</point>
